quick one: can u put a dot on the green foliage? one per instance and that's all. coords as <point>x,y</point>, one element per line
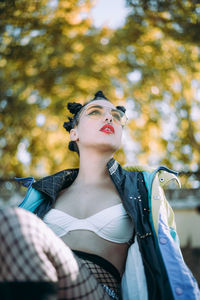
<point>176,18</point>
<point>51,54</point>
<point>161,59</point>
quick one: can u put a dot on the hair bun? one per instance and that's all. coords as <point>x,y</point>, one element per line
<point>99,94</point>
<point>122,108</point>
<point>72,146</point>
<point>74,107</point>
<point>68,125</point>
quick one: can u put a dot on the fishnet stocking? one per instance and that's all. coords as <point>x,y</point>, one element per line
<point>31,253</point>
<point>102,276</point>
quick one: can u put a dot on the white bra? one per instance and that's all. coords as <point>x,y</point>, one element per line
<point>112,223</point>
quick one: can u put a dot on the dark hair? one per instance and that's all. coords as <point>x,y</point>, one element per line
<point>75,109</point>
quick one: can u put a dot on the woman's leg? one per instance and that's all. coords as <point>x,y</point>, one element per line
<point>30,253</point>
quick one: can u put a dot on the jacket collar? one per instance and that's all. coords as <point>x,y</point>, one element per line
<point>112,166</point>
<point>53,184</point>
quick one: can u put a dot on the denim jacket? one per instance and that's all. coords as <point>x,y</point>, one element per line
<point>155,268</point>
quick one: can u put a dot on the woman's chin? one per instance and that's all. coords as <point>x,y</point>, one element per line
<point>100,145</point>
<point>107,147</point>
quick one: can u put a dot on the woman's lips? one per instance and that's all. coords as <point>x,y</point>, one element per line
<point>108,129</point>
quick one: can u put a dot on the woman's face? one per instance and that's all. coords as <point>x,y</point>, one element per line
<point>98,128</point>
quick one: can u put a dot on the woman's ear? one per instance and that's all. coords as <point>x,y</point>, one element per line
<point>74,135</point>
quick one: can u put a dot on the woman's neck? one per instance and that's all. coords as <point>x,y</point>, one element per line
<point>92,168</point>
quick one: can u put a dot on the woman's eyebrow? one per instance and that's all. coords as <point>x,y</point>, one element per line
<point>101,106</point>
<point>95,106</point>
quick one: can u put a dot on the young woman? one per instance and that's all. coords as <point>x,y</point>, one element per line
<point>112,232</point>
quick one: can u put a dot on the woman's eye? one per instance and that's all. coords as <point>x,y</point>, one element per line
<point>94,112</point>
<point>117,116</point>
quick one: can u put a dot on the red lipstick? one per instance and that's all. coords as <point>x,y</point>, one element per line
<point>107,128</point>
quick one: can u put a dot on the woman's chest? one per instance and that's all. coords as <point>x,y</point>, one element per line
<point>82,203</point>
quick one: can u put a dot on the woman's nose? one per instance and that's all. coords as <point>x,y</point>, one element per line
<point>108,117</point>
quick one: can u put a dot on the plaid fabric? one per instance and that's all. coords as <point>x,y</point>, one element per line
<point>31,252</point>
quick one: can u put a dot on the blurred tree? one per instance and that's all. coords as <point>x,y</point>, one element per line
<point>50,54</point>
<point>176,18</point>
<point>162,83</point>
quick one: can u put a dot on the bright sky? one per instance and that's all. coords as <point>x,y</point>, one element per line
<point>105,12</point>
<point>109,12</point>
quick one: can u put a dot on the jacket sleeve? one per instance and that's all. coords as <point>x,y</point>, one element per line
<point>160,204</point>
<point>164,179</point>
<point>171,221</point>
<point>183,284</point>
<point>33,198</point>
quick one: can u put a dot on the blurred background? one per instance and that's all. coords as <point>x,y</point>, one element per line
<point>143,54</point>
